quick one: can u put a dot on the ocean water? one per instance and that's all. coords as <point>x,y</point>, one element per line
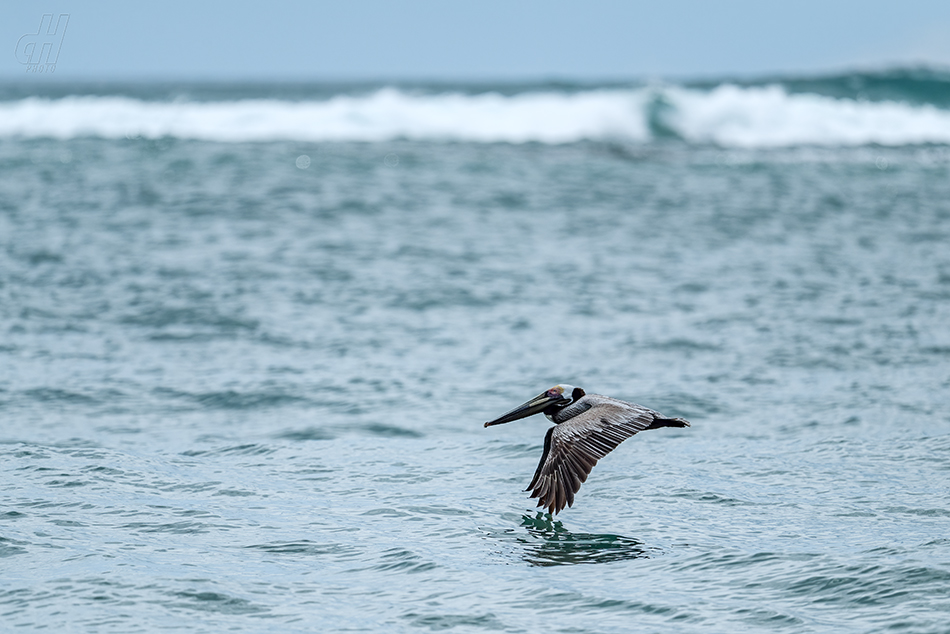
<point>249,335</point>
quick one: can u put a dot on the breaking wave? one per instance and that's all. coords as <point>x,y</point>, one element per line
<point>727,115</point>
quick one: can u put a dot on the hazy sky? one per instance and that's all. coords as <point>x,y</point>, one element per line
<point>415,39</point>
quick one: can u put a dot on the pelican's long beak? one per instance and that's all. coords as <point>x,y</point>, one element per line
<point>535,405</point>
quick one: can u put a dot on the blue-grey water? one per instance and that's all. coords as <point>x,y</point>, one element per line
<point>243,391</point>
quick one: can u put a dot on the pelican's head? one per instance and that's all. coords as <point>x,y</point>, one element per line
<point>549,402</point>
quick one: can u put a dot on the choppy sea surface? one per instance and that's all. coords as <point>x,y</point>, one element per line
<point>249,336</point>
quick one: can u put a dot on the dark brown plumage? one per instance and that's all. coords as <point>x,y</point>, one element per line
<point>588,427</point>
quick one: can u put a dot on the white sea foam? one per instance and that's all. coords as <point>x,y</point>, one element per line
<point>728,115</point>
<point>769,117</point>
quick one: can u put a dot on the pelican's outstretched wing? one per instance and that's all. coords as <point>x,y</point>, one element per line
<point>572,448</point>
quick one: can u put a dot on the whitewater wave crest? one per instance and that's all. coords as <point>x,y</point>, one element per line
<point>728,115</point>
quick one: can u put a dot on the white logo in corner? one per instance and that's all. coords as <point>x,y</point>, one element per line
<point>39,51</point>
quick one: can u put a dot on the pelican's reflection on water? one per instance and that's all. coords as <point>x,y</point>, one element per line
<point>548,543</point>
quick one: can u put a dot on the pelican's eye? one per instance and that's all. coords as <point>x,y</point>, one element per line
<point>554,392</point>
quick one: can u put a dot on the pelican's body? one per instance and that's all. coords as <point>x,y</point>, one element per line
<point>587,428</point>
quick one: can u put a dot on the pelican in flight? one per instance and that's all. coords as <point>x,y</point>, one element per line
<point>587,427</point>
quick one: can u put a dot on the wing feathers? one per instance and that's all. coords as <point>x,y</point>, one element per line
<point>572,448</point>
<point>544,456</point>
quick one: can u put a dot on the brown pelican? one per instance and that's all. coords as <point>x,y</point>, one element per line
<point>587,428</point>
